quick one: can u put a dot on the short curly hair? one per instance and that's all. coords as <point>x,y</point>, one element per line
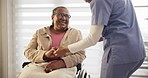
<point>55,9</point>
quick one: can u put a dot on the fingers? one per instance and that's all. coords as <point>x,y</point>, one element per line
<point>55,52</point>
<point>49,53</point>
<point>53,49</point>
<point>48,68</point>
<point>58,52</point>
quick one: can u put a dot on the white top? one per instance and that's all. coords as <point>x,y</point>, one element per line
<point>90,40</point>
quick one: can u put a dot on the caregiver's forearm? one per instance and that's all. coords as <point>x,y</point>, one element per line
<point>93,37</point>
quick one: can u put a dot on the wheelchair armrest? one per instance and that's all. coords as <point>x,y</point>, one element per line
<point>79,66</point>
<point>25,63</point>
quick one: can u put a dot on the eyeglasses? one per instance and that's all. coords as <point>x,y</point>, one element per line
<point>63,15</point>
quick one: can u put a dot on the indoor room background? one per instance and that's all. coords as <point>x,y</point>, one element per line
<point>21,18</point>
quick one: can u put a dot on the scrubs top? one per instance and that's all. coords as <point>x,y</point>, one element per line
<point>123,41</point>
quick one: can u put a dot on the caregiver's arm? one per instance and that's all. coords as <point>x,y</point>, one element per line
<point>93,37</point>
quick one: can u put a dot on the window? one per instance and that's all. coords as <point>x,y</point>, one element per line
<point>141,8</point>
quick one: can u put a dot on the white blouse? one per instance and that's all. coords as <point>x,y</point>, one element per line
<point>93,37</point>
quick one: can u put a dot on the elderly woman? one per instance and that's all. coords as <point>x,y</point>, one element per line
<point>43,44</point>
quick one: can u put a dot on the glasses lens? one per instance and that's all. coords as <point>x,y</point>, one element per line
<point>64,15</point>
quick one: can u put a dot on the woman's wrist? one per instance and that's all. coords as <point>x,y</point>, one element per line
<point>66,49</point>
<point>47,59</point>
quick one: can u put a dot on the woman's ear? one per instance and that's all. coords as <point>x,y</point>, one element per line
<point>52,17</point>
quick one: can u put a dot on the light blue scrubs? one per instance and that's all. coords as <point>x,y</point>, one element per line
<point>123,42</point>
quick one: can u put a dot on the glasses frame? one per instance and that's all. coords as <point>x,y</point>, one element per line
<point>63,15</point>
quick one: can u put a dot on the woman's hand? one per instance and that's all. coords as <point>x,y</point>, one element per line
<point>56,64</point>
<point>61,51</point>
<point>49,54</point>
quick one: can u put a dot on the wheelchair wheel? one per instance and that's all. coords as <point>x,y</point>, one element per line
<point>83,74</point>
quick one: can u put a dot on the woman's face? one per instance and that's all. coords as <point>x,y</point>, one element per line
<point>61,19</point>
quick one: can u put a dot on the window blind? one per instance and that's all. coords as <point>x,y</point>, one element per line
<point>141,8</point>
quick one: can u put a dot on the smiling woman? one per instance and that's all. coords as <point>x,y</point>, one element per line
<point>32,15</point>
<point>41,47</point>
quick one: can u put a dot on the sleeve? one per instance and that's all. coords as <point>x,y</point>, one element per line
<point>90,40</point>
<point>31,52</point>
<point>101,10</point>
<point>74,59</point>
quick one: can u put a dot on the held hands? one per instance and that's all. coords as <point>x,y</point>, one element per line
<point>61,51</point>
<point>49,54</point>
<point>54,62</point>
<point>56,52</point>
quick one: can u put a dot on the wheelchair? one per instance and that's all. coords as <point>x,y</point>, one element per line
<point>81,73</point>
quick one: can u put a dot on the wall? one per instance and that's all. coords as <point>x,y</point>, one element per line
<point>3,39</point>
<point>0,43</point>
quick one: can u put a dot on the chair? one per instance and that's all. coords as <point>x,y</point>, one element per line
<point>81,73</point>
